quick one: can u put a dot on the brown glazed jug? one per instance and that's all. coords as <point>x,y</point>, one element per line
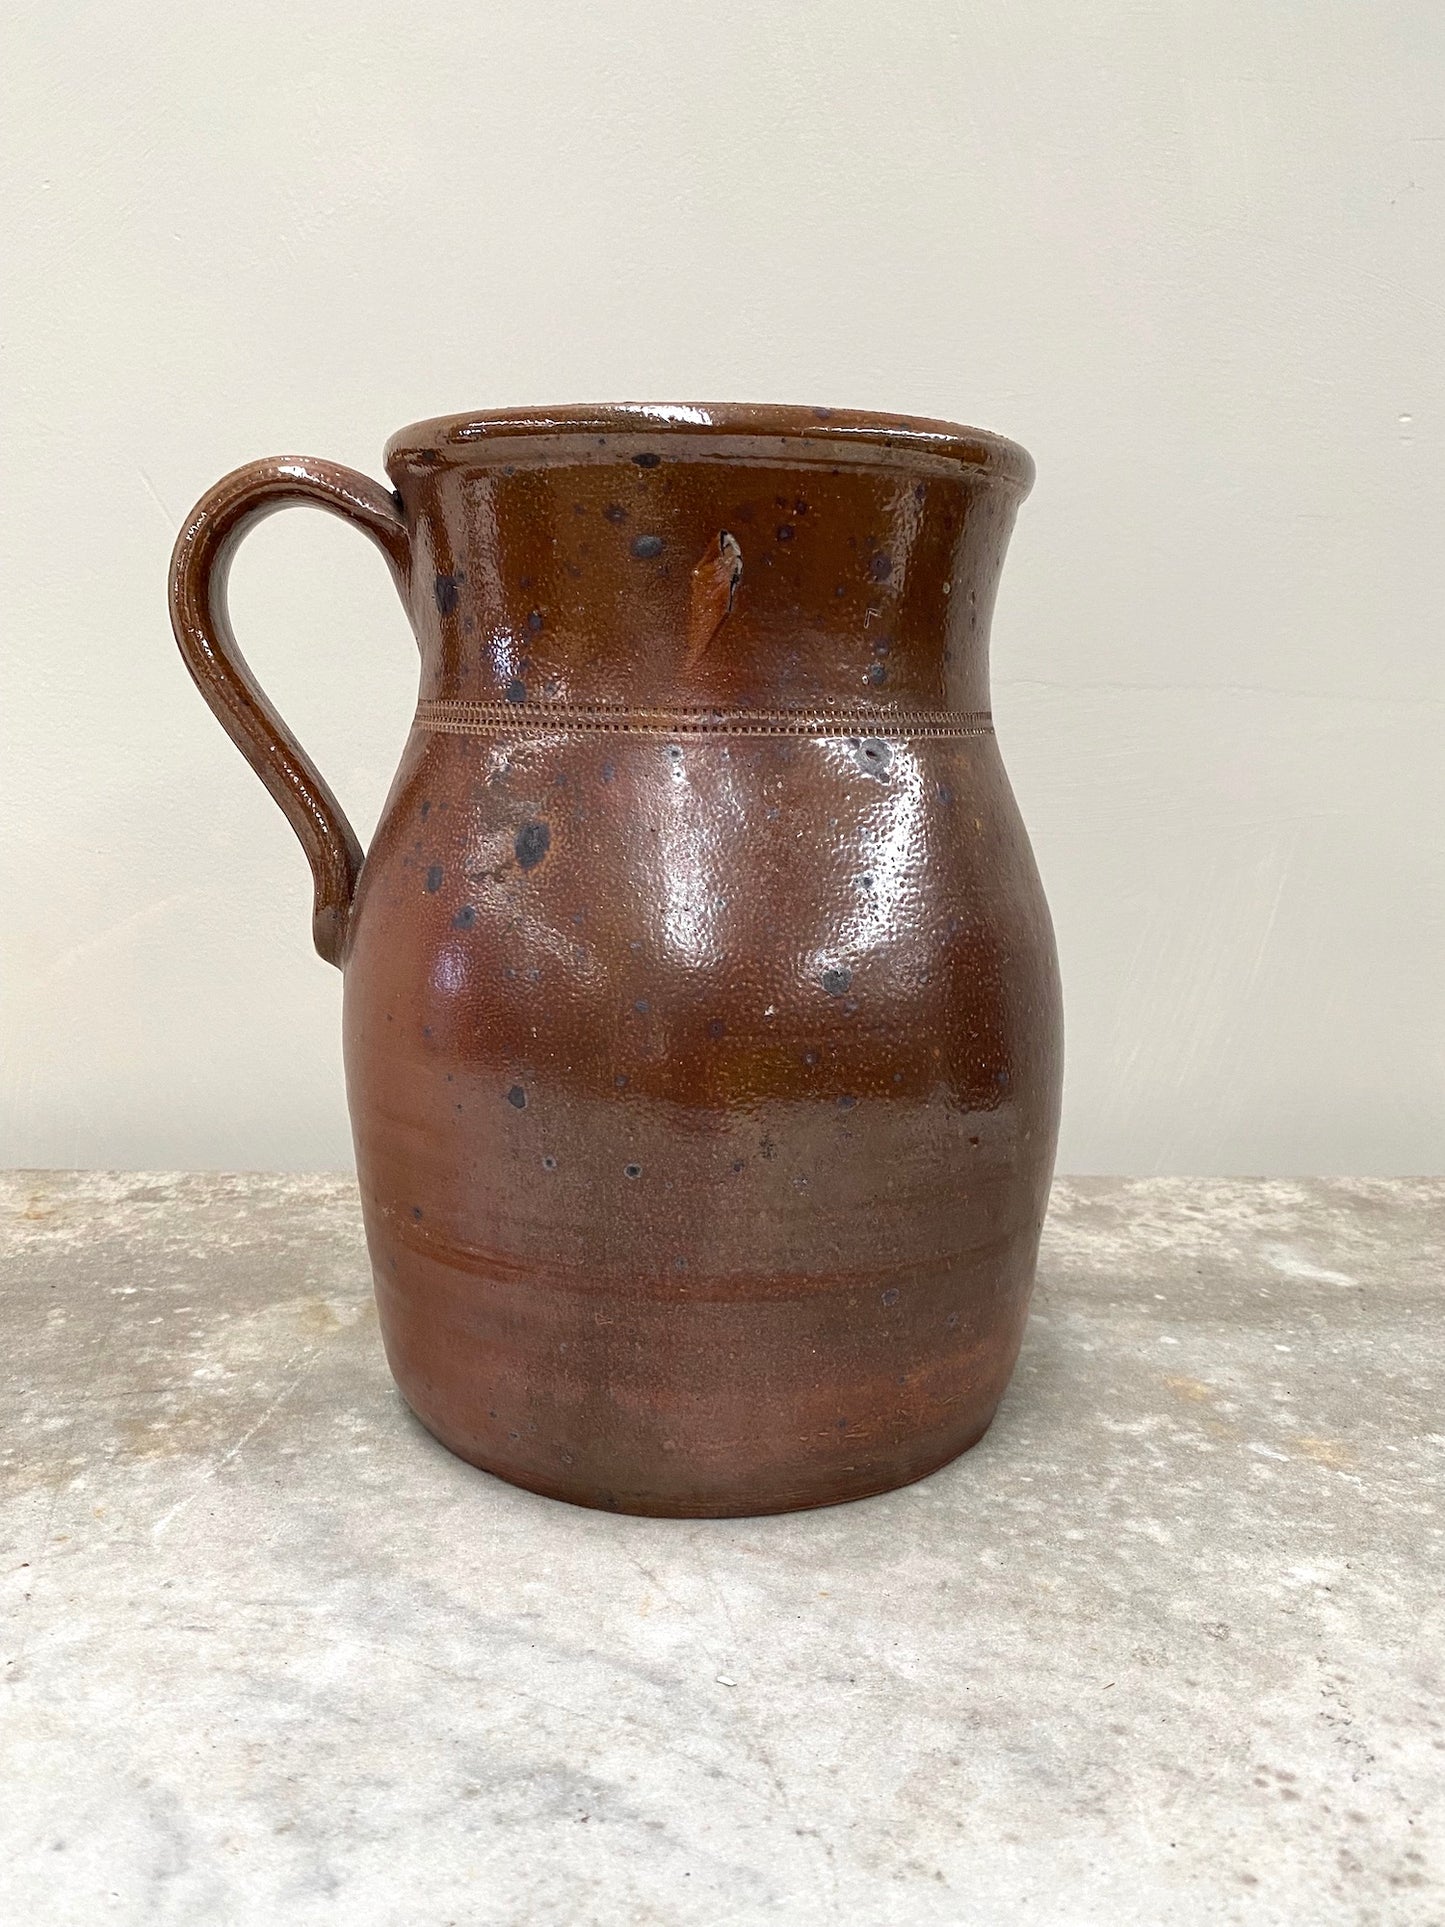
<point>702,1021</point>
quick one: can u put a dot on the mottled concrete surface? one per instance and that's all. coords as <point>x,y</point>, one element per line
<point>1165,1648</point>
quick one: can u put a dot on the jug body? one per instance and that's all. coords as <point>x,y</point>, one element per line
<point>701,1012</point>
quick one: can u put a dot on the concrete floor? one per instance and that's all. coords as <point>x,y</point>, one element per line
<point>1166,1648</point>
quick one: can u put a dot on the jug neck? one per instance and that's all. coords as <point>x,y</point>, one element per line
<point>752,561</point>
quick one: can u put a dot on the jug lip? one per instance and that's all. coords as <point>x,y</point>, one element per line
<point>848,435</point>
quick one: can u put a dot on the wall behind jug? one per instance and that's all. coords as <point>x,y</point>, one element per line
<point>1192,255</point>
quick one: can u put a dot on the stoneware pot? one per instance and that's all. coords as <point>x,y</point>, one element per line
<point>702,1021</point>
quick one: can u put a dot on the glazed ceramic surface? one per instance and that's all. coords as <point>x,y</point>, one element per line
<point>702,1018</point>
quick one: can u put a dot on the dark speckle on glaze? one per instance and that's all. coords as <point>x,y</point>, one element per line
<point>465,918</point>
<point>632,1170</point>
<point>516,690</point>
<point>645,547</point>
<point>433,879</point>
<point>445,589</point>
<point>517,1098</point>
<point>648,460</point>
<point>874,757</point>
<point>531,844</point>
<point>615,514</point>
<point>880,567</point>
<point>836,981</point>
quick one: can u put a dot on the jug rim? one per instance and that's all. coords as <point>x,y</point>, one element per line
<point>849,435</point>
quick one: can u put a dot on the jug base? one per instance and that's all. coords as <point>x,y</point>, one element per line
<point>801,1494</point>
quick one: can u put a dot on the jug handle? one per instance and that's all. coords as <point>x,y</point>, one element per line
<point>202,624</point>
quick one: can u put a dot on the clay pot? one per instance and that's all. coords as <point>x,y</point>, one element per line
<point>701,1009</point>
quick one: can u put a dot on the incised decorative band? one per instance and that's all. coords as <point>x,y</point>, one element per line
<point>566,719</point>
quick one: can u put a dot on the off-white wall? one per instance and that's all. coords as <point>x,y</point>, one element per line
<point>1191,255</point>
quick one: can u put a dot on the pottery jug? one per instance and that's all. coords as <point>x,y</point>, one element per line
<point>701,1012</point>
